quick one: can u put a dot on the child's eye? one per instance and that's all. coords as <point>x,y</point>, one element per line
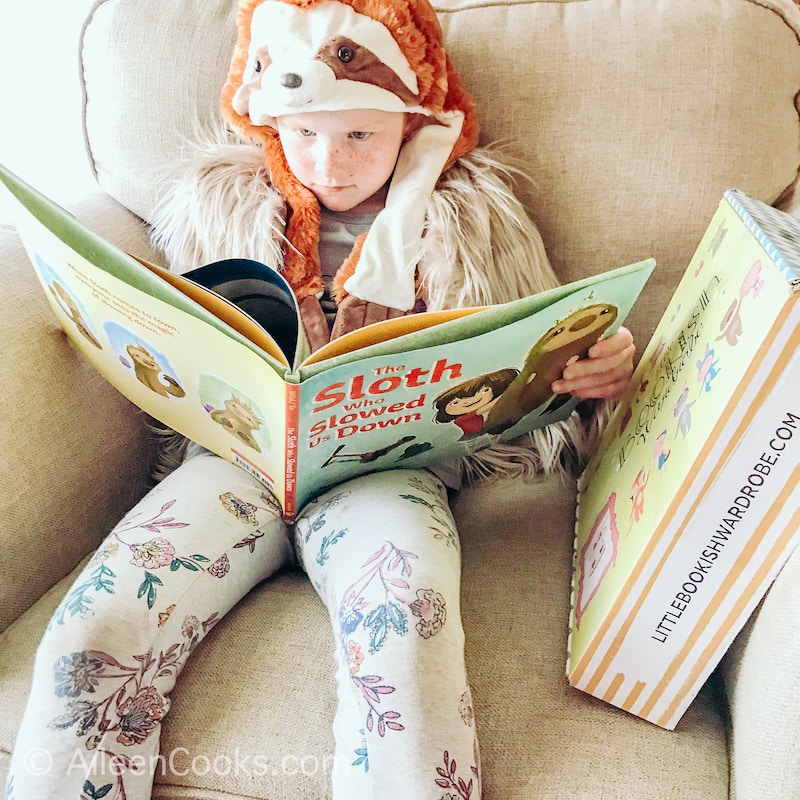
<point>305,132</point>
<point>359,135</point>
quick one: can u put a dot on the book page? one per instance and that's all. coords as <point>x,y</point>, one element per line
<point>447,399</point>
<point>620,286</point>
<point>174,366</point>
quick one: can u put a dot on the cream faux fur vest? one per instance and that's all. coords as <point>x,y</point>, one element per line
<point>479,248</point>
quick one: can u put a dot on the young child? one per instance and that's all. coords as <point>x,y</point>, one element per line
<point>367,143</point>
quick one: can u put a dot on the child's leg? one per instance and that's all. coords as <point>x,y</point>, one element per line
<point>383,554</point>
<point>166,575</point>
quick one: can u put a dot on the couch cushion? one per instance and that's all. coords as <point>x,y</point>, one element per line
<point>762,681</point>
<point>260,685</point>
<point>631,117</point>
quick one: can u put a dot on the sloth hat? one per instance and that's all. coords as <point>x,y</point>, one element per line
<point>296,56</point>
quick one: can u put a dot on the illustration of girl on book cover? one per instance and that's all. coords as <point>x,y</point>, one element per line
<point>468,403</point>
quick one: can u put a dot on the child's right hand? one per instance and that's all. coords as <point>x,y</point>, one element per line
<point>605,373</point>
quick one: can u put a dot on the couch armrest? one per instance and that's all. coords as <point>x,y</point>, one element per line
<point>761,672</point>
<point>74,450</point>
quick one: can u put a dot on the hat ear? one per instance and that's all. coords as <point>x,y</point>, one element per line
<point>414,122</point>
<point>241,54</point>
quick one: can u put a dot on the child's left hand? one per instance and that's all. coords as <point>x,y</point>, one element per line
<point>605,373</point>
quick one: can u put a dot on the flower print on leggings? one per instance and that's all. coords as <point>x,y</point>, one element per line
<point>379,604</point>
<point>106,697</point>
<point>156,556</point>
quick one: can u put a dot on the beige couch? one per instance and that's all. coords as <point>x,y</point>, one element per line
<point>632,117</point>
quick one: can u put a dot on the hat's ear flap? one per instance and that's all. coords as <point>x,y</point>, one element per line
<point>301,265</point>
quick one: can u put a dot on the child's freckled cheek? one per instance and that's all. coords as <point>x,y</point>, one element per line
<point>361,163</point>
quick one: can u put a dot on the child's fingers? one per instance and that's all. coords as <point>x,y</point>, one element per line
<point>621,341</point>
<point>605,373</point>
<point>614,387</point>
<point>587,370</point>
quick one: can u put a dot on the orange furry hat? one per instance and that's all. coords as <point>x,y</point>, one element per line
<point>322,55</point>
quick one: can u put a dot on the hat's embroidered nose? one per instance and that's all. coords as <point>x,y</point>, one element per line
<point>291,80</point>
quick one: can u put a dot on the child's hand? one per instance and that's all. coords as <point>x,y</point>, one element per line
<point>605,373</point>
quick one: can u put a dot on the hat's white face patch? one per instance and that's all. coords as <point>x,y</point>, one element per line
<point>324,58</point>
<point>291,84</point>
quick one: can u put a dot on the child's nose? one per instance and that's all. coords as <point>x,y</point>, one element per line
<point>328,157</point>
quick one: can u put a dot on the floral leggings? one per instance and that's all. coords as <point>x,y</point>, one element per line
<point>383,554</point>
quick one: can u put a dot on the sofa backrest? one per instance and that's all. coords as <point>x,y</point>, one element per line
<point>631,118</point>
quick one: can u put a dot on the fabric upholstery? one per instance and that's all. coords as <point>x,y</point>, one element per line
<point>630,125</point>
<point>632,118</point>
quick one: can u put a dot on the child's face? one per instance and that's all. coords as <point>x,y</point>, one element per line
<point>344,157</point>
<point>474,403</point>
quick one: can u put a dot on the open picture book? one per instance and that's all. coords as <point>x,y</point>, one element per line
<point>219,355</point>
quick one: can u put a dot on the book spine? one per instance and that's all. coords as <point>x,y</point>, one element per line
<point>573,599</point>
<point>292,424</point>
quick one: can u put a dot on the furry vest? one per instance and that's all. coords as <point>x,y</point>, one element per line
<point>479,248</point>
